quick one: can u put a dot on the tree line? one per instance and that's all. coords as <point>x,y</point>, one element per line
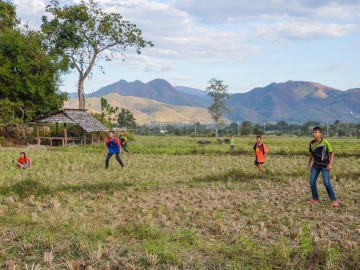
<point>247,128</point>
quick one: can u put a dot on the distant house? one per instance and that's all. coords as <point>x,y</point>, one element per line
<point>72,116</point>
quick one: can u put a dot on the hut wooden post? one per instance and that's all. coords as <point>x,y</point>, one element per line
<point>83,137</point>
<point>65,134</point>
<point>56,128</point>
<point>92,138</point>
<point>37,134</point>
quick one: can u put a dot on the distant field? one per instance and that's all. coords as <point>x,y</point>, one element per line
<point>178,205</point>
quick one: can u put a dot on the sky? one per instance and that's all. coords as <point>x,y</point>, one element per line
<point>246,44</point>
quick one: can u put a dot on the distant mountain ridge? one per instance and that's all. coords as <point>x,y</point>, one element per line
<point>294,101</point>
<point>289,101</point>
<point>158,89</point>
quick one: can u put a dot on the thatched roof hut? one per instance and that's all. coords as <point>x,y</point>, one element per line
<point>73,116</point>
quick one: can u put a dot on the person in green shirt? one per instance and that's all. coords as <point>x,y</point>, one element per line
<point>321,160</point>
<point>232,142</point>
<point>123,141</point>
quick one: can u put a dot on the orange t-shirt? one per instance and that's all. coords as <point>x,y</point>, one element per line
<point>23,160</point>
<point>260,151</point>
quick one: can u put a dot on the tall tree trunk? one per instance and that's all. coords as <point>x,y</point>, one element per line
<point>81,93</point>
<point>82,78</point>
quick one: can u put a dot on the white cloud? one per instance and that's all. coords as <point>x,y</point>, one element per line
<point>204,45</point>
<point>176,35</point>
<point>145,63</point>
<point>215,31</point>
<point>302,30</point>
<point>30,11</point>
<point>234,10</point>
<point>30,7</point>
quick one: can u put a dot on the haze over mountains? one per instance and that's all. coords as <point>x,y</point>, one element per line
<point>291,101</point>
<point>159,90</point>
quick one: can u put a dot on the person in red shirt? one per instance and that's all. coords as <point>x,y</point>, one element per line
<point>23,161</point>
<point>260,151</point>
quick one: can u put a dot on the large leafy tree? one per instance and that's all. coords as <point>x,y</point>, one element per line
<point>217,91</point>
<point>8,19</point>
<point>258,130</point>
<point>85,34</point>
<point>246,128</point>
<point>126,119</point>
<point>29,76</point>
<point>108,113</point>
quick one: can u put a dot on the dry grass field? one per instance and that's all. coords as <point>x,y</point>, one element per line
<point>177,205</point>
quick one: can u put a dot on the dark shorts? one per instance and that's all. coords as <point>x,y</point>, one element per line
<point>232,147</point>
<point>257,162</point>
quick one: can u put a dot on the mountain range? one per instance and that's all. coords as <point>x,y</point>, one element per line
<point>295,101</point>
<point>159,90</point>
<point>147,111</point>
<point>291,101</point>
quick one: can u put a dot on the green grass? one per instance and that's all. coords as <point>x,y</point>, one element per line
<point>178,206</point>
<point>173,145</point>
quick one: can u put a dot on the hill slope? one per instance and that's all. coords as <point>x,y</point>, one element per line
<point>147,111</point>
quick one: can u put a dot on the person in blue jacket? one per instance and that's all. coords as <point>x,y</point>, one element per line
<point>113,146</point>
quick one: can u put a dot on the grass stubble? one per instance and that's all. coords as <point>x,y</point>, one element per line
<point>176,209</point>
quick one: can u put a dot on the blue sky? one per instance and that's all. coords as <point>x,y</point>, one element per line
<point>245,43</point>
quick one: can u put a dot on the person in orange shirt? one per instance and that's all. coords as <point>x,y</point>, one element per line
<point>23,161</point>
<point>260,151</point>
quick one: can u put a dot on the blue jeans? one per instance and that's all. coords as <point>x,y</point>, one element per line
<point>315,171</point>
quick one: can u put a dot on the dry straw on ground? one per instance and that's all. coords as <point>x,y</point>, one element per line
<point>172,209</point>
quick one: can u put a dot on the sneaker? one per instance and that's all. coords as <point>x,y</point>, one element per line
<point>314,201</point>
<point>335,204</point>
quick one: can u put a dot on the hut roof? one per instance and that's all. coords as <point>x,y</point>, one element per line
<point>74,116</point>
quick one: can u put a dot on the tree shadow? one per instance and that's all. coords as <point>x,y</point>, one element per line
<point>228,176</point>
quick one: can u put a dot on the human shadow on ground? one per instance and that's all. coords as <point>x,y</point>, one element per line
<point>238,175</point>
